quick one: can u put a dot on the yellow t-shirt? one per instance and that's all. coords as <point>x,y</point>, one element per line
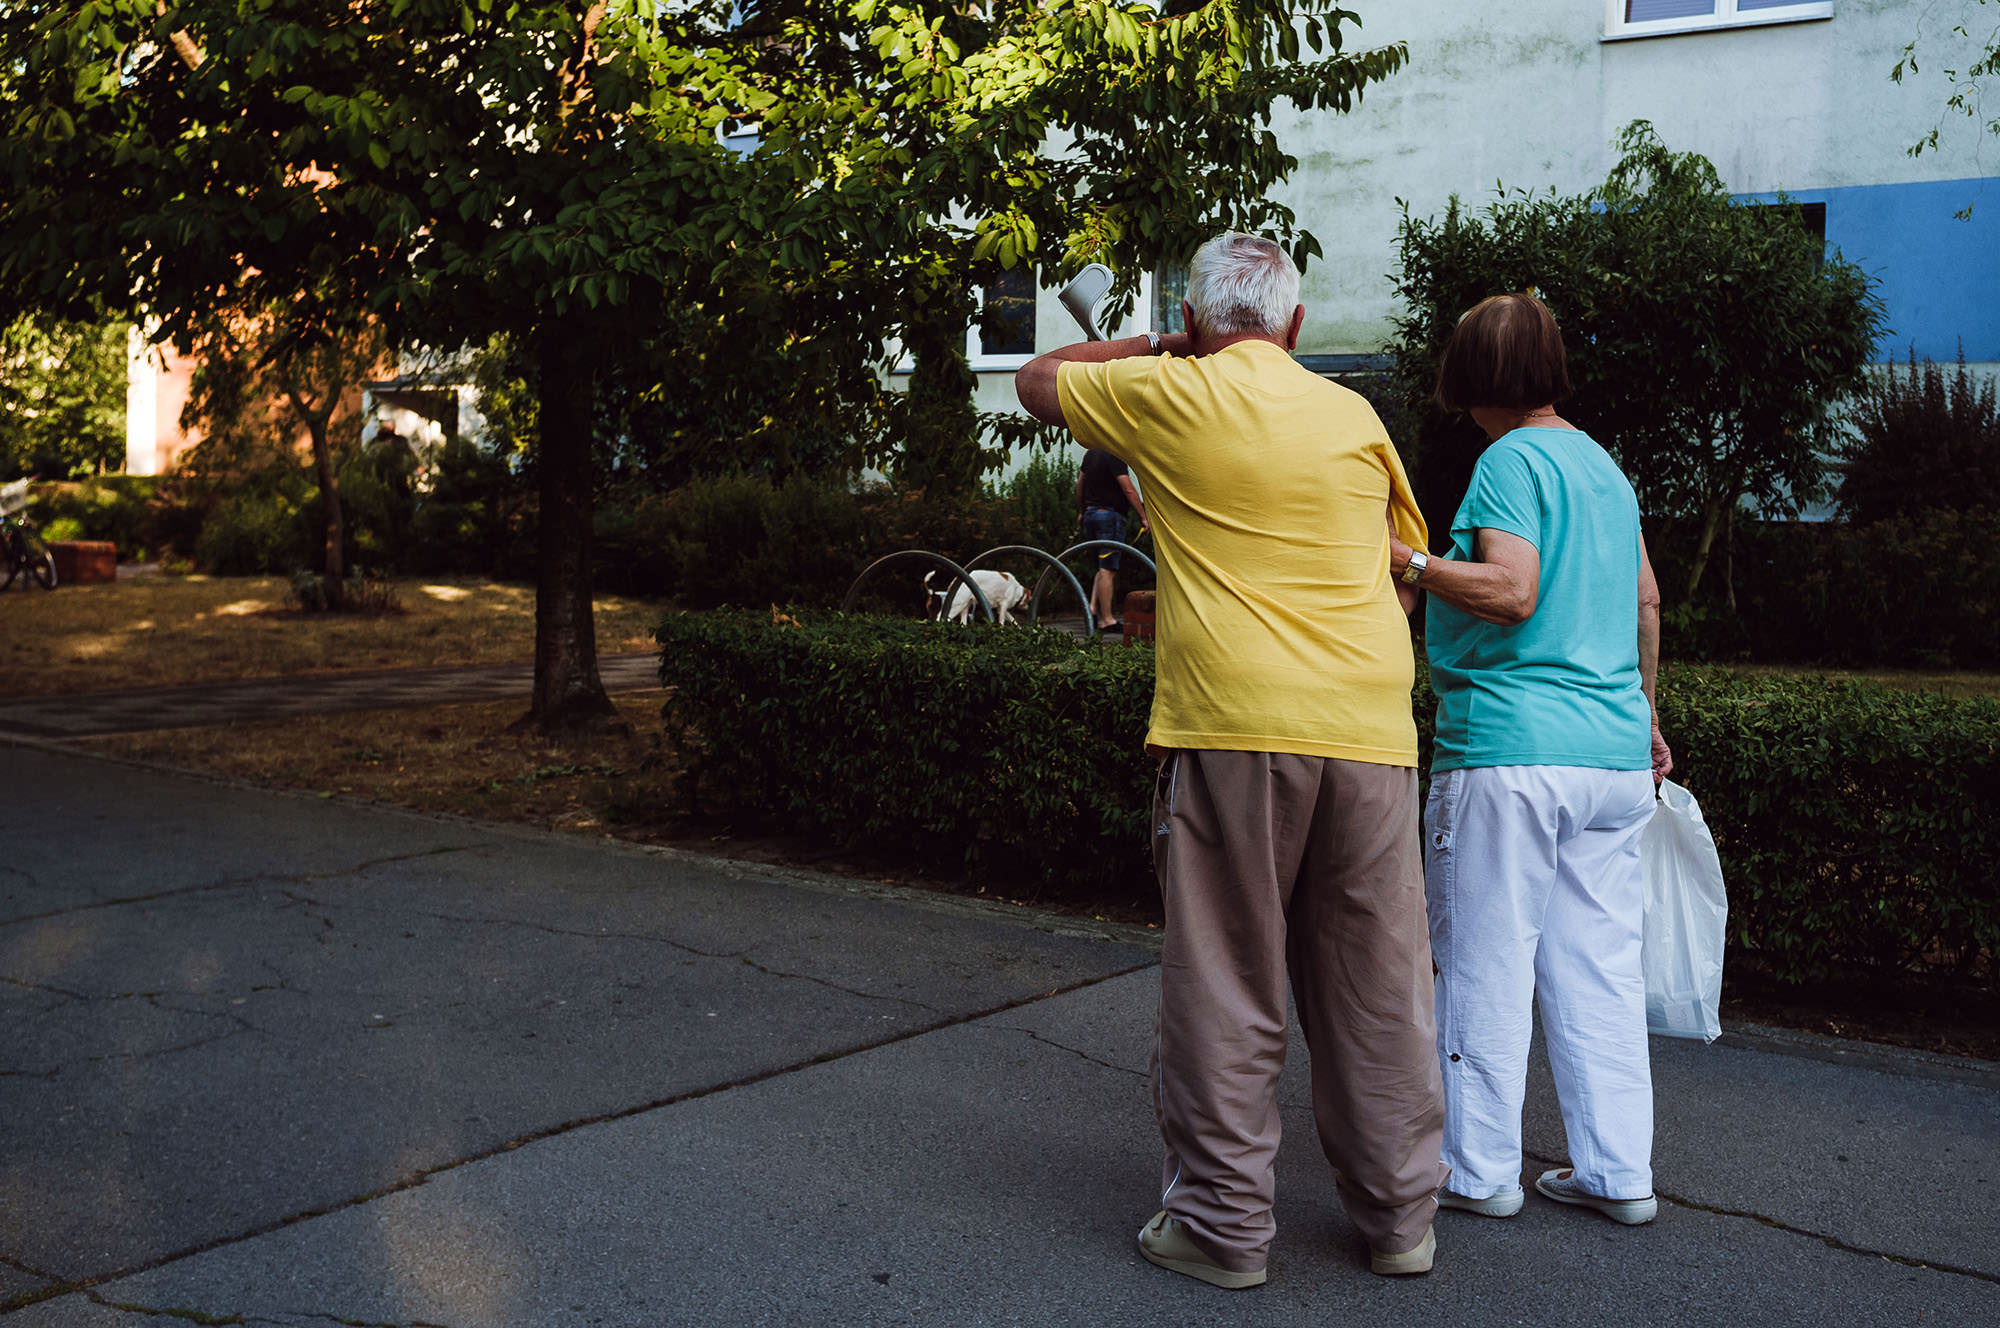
<point>1266,487</point>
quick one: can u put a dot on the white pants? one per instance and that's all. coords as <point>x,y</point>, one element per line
<point>1531,878</point>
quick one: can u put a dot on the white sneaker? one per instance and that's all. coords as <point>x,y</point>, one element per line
<point>1561,1185</point>
<point>1504,1204</point>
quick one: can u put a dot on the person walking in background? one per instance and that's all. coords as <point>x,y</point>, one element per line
<point>1104,494</point>
<point>1543,633</point>
<point>1285,837</point>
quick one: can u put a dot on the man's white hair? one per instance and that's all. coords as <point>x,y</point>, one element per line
<point>1242,283</point>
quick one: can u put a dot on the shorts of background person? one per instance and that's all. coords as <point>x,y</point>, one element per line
<point>1101,523</point>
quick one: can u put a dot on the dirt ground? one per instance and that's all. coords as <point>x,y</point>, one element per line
<point>152,630</point>
<point>468,760</point>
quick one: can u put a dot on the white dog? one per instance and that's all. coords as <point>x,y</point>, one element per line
<point>1002,591</point>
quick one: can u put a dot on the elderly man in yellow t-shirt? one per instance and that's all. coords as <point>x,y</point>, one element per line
<point>1285,832</point>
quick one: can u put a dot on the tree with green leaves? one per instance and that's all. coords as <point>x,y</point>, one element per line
<point>1710,341</point>
<point>62,397</point>
<point>556,173</point>
<point>264,376</point>
<point>1046,134</point>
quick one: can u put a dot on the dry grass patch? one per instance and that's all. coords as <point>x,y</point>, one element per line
<point>461,758</point>
<point>156,630</point>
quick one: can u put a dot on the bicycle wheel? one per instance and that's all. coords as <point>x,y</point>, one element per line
<point>43,569</point>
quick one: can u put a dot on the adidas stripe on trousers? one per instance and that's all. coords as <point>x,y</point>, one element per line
<point>1274,866</point>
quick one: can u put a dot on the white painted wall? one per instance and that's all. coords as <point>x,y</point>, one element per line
<point>1527,92</point>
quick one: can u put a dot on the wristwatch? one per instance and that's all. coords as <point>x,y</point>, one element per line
<point>1153,343</point>
<point>1419,560</point>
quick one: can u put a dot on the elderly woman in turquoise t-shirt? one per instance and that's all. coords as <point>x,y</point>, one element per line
<point>1543,634</point>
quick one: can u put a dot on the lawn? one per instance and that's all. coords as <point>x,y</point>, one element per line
<point>153,630</point>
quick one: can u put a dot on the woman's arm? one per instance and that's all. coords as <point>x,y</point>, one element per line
<point>1649,657</point>
<point>1406,596</point>
<point>1502,584</point>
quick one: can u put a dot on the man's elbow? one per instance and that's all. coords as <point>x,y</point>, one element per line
<point>1035,388</point>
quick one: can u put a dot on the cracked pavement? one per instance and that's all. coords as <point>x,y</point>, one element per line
<point>272,1060</point>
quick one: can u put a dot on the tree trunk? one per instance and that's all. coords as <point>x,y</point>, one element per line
<point>1711,521</point>
<point>333,566</point>
<point>568,694</point>
<point>1729,559</point>
<point>941,452</point>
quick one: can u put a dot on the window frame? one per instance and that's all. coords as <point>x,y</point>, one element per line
<point>1724,16</point>
<point>976,357</point>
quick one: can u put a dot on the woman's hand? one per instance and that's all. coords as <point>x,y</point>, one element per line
<point>1399,553</point>
<point>1663,756</point>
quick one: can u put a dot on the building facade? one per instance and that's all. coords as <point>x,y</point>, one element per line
<point>1530,94</point>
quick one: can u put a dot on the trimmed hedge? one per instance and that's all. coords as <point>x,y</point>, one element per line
<point>1856,822</point>
<point>1011,752</point>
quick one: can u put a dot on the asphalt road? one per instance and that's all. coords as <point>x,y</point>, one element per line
<point>272,1059</point>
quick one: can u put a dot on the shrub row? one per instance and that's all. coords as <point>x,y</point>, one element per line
<point>1013,753</point>
<point>747,542</point>
<point>1908,590</point>
<point>722,540</point>
<point>1855,822</point>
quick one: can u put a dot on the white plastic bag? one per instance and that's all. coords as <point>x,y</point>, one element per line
<point>1686,907</point>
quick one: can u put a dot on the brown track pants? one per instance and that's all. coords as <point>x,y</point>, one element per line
<point>1269,864</point>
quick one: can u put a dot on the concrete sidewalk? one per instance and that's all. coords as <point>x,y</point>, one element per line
<point>274,1060</point>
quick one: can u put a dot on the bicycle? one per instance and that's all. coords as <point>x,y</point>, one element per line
<point>24,551</point>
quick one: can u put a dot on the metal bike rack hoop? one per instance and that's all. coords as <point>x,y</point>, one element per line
<point>1035,603</point>
<point>959,575</point>
<point>1079,548</point>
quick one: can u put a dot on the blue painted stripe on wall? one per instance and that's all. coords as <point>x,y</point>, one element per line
<point>1939,276</point>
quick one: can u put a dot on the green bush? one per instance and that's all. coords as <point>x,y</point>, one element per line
<point>475,515</point>
<point>1855,822</point>
<point>1708,339</point>
<point>123,509</point>
<point>1013,753</point>
<point>1910,591</point>
<point>733,540</point>
<point>1922,439</point>
<point>746,541</point>
<point>264,529</point>
<point>357,592</point>
<point>377,506</point>
<point>1043,495</point>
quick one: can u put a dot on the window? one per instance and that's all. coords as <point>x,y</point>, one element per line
<point>1659,18</point>
<point>1007,317</point>
<point>1812,216</point>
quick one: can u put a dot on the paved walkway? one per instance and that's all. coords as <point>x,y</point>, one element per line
<point>272,1060</point>
<point>142,709</point>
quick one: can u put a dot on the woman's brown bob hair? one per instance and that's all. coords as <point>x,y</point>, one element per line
<point>1505,352</point>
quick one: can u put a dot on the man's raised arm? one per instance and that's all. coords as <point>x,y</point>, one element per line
<point>1035,383</point>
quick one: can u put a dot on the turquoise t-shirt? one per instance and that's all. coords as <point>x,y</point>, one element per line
<point>1563,687</point>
